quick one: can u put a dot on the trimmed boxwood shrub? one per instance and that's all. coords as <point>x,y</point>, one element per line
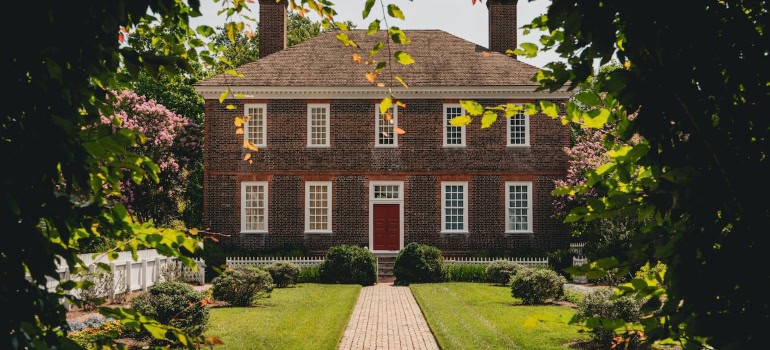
<point>242,286</point>
<point>283,273</point>
<point>537,286</point>
<point>499,271</point>
<point>600,304</point>
<point>418,263</point>
<point>349,265</point>
<point>176,304</point>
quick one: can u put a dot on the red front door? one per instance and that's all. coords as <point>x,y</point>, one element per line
<point>387,227</point>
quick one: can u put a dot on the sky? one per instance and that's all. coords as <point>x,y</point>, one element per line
<point>458,17</point>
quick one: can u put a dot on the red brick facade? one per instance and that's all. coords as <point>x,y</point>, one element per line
<point>502,25</point>
<point>420,162</point>
<point>272,27</point>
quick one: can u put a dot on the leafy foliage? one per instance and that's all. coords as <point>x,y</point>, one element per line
<point>499,271</point>
<point>350,265</point>
<point>309,274</point>
<point>458,272</point>
<point>242,286</point>
<point>604,314</point>
<point>537,286</point>
<point>176,304</point>
<point>284,274</point>
<point>418,263</point>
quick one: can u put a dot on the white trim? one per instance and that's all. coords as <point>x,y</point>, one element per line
<point>446,125</point>
<point>377,127</point>
<point>361,92</point>
<point>465,207</point>
<point>310,107</point>
<point>373,201</point>
<point>264,184</point>
<point>530,206</point>
<point>328,184</point>
<point>263,106</point>
<point>527,131</point>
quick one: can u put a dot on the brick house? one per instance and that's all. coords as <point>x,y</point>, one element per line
<point>331,170</point>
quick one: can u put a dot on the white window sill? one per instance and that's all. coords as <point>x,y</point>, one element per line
<point>319,146</point>
<point>253,233</point>
<point>454,146</point>
<point>518,146</point>
<point>385,146</point>
<point>326,233</point>
<point>465,233</point>
<point>519,233</point>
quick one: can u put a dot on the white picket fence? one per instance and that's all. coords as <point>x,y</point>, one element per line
<point>302,262</point>
<point>129,274</point>
<point>577,248</point>
<point>579,260</point>
<point>481,260</point>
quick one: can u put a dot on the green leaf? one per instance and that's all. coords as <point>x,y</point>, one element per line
<point>223,95</point>
<point>233,73</point>
<point>596,118</point>
<point>488,119</point>
<point>549,108</point>
<point>605,168</point>
<point>377,47</point>
<point>345,40</point>
<point>400,80</point>
<point>385,104</point>
<point>205,30</point>
<point>398,36</point>
<point>373,27</point>
<point>530,109</point>
<point>606,263</point>
<point>230,107</point>
<point>380,66</point>
<point>367,8</point>
<point>512,109</point>
<point>155,330</point>
<point>403,58</point>
<point>588,98</point>
<point>342,26</point>
<point>395,12</point>
<point>462,120</point>
<point>472,107</point>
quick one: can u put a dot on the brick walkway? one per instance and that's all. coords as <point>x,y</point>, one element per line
<point>387,317</point>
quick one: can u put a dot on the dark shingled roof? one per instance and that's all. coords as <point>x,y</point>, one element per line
<point>441,59</point>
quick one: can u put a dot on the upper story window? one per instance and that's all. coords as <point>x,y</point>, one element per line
<point>254,207</point>
<point>384,127</point>
<point>318,125</point>
<point>454,136</point>
<point>454,207</point>
<point>318,207</point>
<point>255,129</point>
<point>518,207</point>
<point>518,130</point>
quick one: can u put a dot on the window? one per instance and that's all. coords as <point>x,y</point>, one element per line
<point>518,130</point>
<point>454,136</point>
<point>385,125</point>
<point>317,125</point>
<point>386,191</point>
<point>254,207</point>
<point>318,208</point>
<point>454,204</point>
<point>518,206</point>
<point>255,129</point>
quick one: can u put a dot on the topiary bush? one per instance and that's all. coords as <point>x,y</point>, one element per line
<point>459,272</point>
<point>349,265</point>
<point>601,304</point>
<point>418,263</point>
<point>537,286</point>
<point>284,274</point>
<point>242,286</point>
<point>499,271</point>
<point>176,304</point>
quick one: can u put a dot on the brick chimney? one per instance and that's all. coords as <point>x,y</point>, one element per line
<point>272,26</point>
<point>502,25</point>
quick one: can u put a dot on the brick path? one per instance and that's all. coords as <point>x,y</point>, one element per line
<point>387,317</point>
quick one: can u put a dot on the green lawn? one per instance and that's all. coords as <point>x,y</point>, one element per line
<point>482,316</point>
<point>309,316</point>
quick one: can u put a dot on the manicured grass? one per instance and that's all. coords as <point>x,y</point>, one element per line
<point>309,316</point>
<point>483,316</point>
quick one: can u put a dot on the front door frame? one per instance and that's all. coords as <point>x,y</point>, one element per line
<point>399,201</point>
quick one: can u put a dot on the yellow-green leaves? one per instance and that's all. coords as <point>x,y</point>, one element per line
<point>367,8</point>
<point>588,98</point>
<point>462,120</point>
<point>398,36</point>
<point>385,104</point>
<point>233,73</point>
<point>232,29</point>
<point>373,27</point>
<point>488,119</point>
<point>377,47</point>
<point>345,40</point>
<point>223,95</point>
<point>472,107</point>
<point>205,30</point>
<point>403,58</point>
<point>395,12</point>
<point>512,109</point>
<point>528,50</point>
<point>549,108</point>
<point>596,118</point>
<point>230,107</point>
<point>401,80</point>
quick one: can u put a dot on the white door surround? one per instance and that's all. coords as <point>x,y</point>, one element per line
<point>390,197</point>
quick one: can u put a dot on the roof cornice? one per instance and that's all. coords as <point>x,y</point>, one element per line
<point>357,92</point>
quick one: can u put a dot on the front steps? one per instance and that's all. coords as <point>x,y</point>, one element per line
<point>385,264</point>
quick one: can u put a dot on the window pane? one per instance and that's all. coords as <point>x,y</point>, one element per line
<point>318,207</point>
<point>454,208</point>
<point>254,210</point>
<point>517,131</point>
<point>319,133</point>
<point>385,125</point>
<point>255,125</point>
<point>518,208</point>
<point>454,134</point>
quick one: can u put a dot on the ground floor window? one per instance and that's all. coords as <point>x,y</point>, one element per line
<point>518,207</point>
<point>454,207</point>
<point>254,207</point>
<point>318,209</point>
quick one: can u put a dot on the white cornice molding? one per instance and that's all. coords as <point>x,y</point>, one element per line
<point>444,92</point>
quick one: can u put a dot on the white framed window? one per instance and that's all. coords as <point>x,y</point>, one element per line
<point>518,207</point>
<point>518,130</point>
<point>454,136</point>
<point>318,129</point>
<point>384,127</point>
<point>255,129</point>
<point>254,207</point>
<point>318,207</point>
<point>454,207</point>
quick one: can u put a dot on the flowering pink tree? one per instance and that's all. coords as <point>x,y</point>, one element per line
<point>587,153</point>
<point>173,143</point>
